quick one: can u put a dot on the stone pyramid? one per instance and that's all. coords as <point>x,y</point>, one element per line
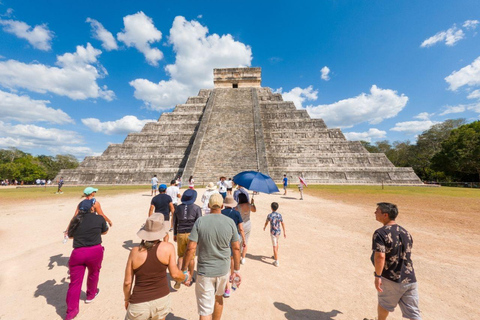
<point>238,126</point>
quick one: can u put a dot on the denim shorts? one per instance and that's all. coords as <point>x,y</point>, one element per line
<point>403,294</point>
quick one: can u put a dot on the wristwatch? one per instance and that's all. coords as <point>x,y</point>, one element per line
<point>376,275</point>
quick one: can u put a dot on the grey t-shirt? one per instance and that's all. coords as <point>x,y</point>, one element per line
<point>213,234</point>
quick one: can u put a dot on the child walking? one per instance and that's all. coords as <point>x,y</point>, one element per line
<point>275,219</point>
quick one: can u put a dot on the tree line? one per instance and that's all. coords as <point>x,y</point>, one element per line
<point>21,166</point>
<point>448,151</point>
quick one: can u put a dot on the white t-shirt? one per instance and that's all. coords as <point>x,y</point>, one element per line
<point>222,186</point>
<point>173,192</point>
<point>154,181</point>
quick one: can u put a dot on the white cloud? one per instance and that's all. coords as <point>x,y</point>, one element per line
<point>453,109</point>
<point>100,33</point>
<point>76,78</point>
<point>411,127</point>
<point>34,136</point>
<point>423,116</point>
<point>39,37</point>
<point>124,125</point>
<point>373,108</point>
<point>325,73</point>
<point>25,109</point>
<point>475,94</point>
<point>139,32</point>
<point>197,54</point>
<point>470,24</point>
<point>469,75</point>
<point>299,95</point>
<point>79,152</point>
<point>450,36</point>
<point>372,133</point>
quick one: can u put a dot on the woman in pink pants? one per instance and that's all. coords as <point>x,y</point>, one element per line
<point>86,229</point>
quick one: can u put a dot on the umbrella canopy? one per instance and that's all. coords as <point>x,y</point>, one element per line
<point>255,181</point>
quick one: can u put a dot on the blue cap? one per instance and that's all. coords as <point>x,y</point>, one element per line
<point>162,187</point>
<point>89,190</point>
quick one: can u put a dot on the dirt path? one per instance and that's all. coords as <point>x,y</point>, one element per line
<point>324,273</point>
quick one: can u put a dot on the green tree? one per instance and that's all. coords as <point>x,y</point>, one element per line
<point>460,152</point>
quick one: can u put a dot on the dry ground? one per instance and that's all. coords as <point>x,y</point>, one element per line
<point>325,272</point>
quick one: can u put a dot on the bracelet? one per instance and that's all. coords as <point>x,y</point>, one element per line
<point>186,276</point>
<point>236,271</point>
<point>376,275</point>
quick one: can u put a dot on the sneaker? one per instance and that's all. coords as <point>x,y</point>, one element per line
<point>226,294</point>
<point>90,300</point>
<point>177,285</point>
<point>242,261</point>
<point>276,263</point>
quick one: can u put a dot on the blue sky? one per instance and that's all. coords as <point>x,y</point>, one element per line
<point>78,75</point>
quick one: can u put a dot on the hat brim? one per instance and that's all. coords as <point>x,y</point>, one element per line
<point>191,201</point>
<point>230,204</point>
<point>152,236</point>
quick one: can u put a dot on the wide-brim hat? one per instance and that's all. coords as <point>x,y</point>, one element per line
<point>229,202</point>
<point>189,196</point>
<point>211,186</point>
<point>155,228</point>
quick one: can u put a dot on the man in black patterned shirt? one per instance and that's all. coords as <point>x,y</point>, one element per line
<point>394,275</point>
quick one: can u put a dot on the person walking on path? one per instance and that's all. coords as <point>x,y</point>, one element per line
<point>245,209</point>
<point>240,190</point>
<point>300,189</point>
<point>162,203</point>
<point>222,187</point>
<point>395,278</point>
<point>154,185</point>
<point>229,186</point>
<point>86,228</point>
<point>174,192</point>
<point>275,220</point>
<point>211,189</point>
<point>285,184</point>
<point>184,218</point>
<point>89,193</point>
<point>215,235</point>
<point>147,264</point>
<point>233,214</point>
<point>60,185</point>
<point>191,183</point>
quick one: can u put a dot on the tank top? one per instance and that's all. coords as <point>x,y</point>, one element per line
<point>150,279</point>
<point>245,213</point>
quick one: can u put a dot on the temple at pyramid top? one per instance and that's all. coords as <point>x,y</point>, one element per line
<point>236,126</point>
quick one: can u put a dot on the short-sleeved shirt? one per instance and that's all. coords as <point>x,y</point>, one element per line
<point>60,183</point>
<point>162,204</point>
<point>213,234</point>
<point>184,218</point>
<point>397,244</point>
<point>240,190</point>
<point>285,181</point>
<point>173,192</point>
<point>222,186</point>
<point>154,181</point>
<point>275,218</point>
<point>89,231</point>
<point>234,215</point>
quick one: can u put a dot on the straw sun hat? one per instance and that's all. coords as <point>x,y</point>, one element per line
<point>211,186</point>
<point>155,228</point>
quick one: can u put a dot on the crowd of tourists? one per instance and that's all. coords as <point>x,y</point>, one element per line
<point>217,233</point>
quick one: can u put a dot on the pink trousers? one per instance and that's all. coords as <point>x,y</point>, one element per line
<point>81,258</point>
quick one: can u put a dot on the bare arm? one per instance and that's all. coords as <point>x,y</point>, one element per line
<point>284,232</point>
<point>191,247</point>
<point>266,223</point>
<point>128,280</point>
<point>98,209</point>
<point>172,208</point>
<point>242,234</point>
<point>379,262</point>
<point>152,208</point>
<point>175,273</point>
<point>236,262</point>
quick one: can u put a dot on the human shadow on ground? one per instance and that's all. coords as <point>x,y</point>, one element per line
<point>305,314</point>
<point>54,294</point>
<point>291,198</point>
<point>260,258</point>
<point>59,260</point>
<point>129,244</point>
<point>171,316</point>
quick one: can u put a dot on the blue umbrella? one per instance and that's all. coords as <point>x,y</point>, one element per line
<point>255,181</point>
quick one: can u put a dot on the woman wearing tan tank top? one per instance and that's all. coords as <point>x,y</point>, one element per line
<point>147,264</point>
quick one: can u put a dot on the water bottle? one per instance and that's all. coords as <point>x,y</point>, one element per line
<point>65,239</point>
<point>235,283</point>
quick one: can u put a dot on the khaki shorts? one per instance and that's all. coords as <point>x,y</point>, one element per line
<point>206,289</point>
<point>155,310</point>
<point>182,243</point>
<point>274,240</point>
<point>403,294</point>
